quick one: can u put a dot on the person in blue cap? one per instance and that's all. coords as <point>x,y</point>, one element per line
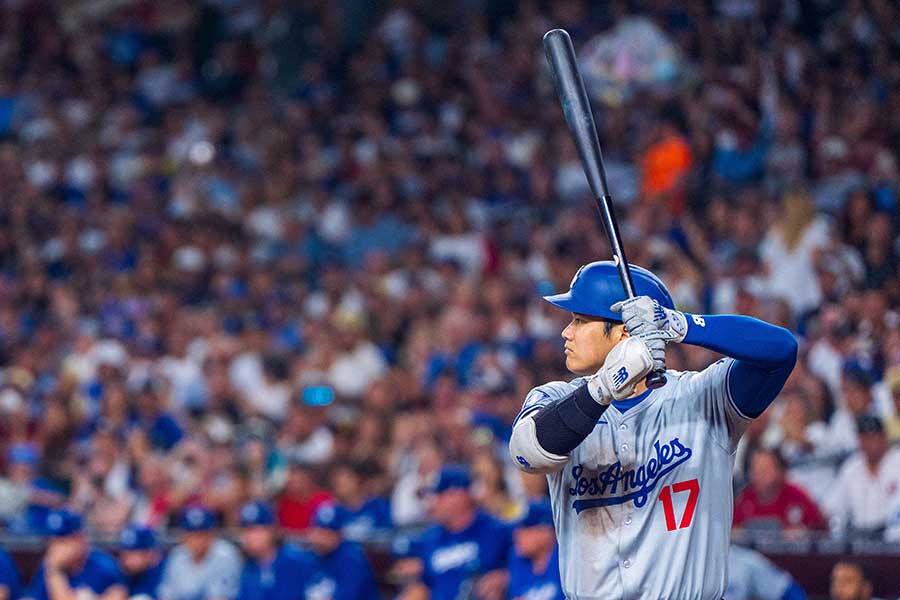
<point>10,583</point>
<point>346,572</point>
<point>274,570</point>
<point>141,561</point>
<point>534,563</point>
<point>465,554</point>
<point>368,515</point>
<point>204,566</point>
<point>71,568</point>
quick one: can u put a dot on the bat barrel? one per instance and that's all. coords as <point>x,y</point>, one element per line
<point>576,107</point>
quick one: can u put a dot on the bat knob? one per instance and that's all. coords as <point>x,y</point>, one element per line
<point>655,380</point>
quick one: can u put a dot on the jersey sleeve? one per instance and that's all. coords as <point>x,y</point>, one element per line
<point>498,547</point>
<point>542,396</point>
<point>359,581</point>
<point>107,573</point>
<point>710,391</point>
<point>9,576</point>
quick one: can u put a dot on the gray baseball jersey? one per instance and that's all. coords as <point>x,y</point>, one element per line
<point>218,575</point>
<point>643,507</point>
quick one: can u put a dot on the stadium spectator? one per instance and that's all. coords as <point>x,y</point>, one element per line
<point>892,422</point>
<point>857,398</point>
<point>466,551</point>
<point>751,576</point>
<point>345,570</point>
<point>867,485</point>
<point>534,564</point>
<point>274,569</point>
<point>141,561</point>
<point>771,503</point>
<point>365,515</point>
<point>490,488</point>
<point>10,582</point>
<point>204,565</point>
<point>24,501</point>
<point>300,498</point>
<point>418,468</point>
<point>71,567</point>
<point>849,581</point>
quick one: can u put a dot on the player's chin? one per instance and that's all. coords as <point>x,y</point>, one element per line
<point>576,366</point>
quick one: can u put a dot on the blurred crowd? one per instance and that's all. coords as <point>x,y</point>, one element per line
<point>294,252</point>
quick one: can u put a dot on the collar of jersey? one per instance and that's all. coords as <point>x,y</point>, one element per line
<point>624,405</point>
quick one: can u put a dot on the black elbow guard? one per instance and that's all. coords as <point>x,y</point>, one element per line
<point>563,424</point>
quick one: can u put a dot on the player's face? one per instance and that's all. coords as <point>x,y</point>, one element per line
<point>322,540</point>
<point>447,505</point>
<point>847,583</point>
<point>199,542</point>
<point>587,343</point>
<point>257,541</point>
<point>136,561</point>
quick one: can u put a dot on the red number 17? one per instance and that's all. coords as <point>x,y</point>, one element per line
<point>665,496</point>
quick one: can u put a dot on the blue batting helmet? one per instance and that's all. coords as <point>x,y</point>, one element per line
<point>596,287</point>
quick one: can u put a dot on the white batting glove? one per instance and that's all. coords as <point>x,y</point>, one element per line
<point>643,315</point>
<point>625,366</point>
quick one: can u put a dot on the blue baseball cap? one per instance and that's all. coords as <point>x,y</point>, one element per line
<point>198,518</point>
<point>256,513</point>
<point>452,477</point>
<point>137,537</point>
<point>19,454</point>
<point>596,286</point>
<point>330,516</point>
<point>62,523</point>
<point>538,512</point>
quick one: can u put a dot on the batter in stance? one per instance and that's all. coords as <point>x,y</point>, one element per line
<point>640,480</point>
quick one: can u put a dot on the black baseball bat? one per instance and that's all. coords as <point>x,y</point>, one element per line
<point>577,110</point>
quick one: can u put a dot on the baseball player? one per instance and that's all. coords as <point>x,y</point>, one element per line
<point>71,568</point>
<point>274,570</point>
<point>534,563</point>
<point>345,570</point>
<point>640,480</point>
<point>141,561</point>
<point>464,555</point>
<point>204,566</point>
<point>10,583</point>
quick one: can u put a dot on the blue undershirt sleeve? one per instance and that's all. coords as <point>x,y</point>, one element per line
<point>764,354</point>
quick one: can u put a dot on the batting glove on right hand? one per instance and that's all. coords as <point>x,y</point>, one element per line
<point>643,314</point>
<point>627,364</point>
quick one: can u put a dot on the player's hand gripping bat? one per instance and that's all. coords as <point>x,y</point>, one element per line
<point>577,109</point>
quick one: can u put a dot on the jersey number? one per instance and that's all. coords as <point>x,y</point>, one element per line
<point>665,496</point>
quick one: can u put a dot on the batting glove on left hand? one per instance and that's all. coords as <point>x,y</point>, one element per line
<point>644,316</point>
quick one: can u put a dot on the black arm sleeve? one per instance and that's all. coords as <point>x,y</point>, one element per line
<point>564,423</point>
